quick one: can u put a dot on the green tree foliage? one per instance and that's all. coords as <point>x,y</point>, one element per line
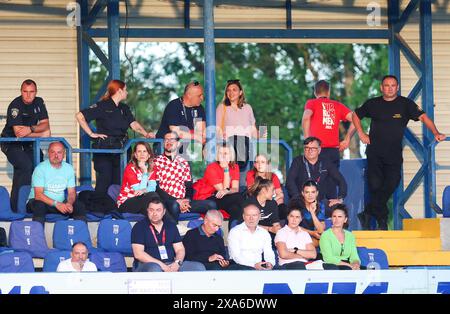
<point>277,78</point>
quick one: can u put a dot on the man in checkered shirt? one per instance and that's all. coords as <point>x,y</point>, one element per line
<point>173,175</point>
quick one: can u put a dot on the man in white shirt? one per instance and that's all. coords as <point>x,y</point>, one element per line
<point>247,242</point>
<point>78,262</point>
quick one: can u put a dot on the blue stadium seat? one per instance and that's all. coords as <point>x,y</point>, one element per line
<point>373,258</point>
<point>28,236</point>
<point>192,224</point>
<point>6,214</point>
<point>114,236</point>
<point>53,258</point>
<point>24,192</point>
<point>446,201</point>
<point>16,262</point>
<point>81,188</point>
<point>68,232</point>
<point>109,261</point>
<point>188,216</point>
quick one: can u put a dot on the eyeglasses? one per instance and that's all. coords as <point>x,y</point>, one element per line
<point>233,81</point>
<point>170,140</point>
<point>314,149</point>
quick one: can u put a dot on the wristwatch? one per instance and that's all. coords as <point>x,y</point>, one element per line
<point>32,128</point>
<point>178,262</point>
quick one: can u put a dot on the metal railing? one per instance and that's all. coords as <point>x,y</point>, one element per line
<point>37,142</point>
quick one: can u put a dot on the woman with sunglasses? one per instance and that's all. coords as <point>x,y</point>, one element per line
<point>337,245</point>
<point>261,168</point>
<point>236,122</point>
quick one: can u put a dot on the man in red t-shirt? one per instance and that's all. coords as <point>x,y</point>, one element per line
<point>321,119</point>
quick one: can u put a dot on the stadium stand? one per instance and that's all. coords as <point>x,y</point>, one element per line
<point>53,258</point>
<point>16,262</point>
<point>114,236</point>
<point>28,236</point>
<point>68,232</point>
<point>109,261</point>
<point>446,202</point>
<point>6,214</point>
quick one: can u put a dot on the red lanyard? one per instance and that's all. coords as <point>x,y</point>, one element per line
<point>154,235</point>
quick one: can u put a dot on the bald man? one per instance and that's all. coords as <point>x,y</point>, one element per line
<point>49,181</point>
<point>185,115</point>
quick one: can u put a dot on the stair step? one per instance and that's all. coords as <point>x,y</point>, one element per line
<point>430,227</point>
<point>387,234</point>
<point>413,258</point>
<point>402,244</point>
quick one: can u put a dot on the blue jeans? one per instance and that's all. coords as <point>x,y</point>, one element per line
<point>153,267</point>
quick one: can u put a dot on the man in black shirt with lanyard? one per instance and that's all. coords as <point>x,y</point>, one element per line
<point>390,114</point>
<point>313,167</point>
<point>185,115</point>
<point>26,117</point>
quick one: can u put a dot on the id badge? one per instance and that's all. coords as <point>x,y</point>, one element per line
<point>163,252</point>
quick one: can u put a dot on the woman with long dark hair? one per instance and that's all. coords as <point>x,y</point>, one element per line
<point>313,211</point>
<point>112,118</point>
<point>138,184</point>
<point>337,245</point>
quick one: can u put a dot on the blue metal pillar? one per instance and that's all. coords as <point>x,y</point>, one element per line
<point>210,80</point>
<point>114,39</point>
<point>394,69</point>
<point>84,89</point>
<point>426,56</point>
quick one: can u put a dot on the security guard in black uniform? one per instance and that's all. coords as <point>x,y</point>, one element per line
<point>390,114</point>
<point>112,120</point>
<point>26,117</point>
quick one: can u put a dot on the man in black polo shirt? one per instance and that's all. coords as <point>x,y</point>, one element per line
<point>157,245</point>
<point>204,245</point>
<point>26,117</point>
<point>390,114</point>
<point>185,115</point>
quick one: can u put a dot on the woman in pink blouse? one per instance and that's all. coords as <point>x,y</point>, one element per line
<point>235,121</point>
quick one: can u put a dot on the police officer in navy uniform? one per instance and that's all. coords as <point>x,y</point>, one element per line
<point>113,119</point>
<point>26,117</point>
<point>185,115</point>
<point>390,114</point>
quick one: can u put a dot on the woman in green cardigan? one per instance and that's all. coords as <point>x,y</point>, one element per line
<point>337,245</point>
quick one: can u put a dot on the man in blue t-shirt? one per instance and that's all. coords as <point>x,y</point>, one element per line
<point>49,181</point>
<point>157,245</point>
<point>185,115</point>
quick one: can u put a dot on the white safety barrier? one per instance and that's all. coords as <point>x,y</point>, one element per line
<point>238,282</point>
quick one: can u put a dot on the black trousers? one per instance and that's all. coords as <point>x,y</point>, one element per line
<point>241,146</point>
<point>40,209</point>
<point>138,204</point>
<point>333,156</point>
<point>21,158</point>
<point>383,177</point>
<point>107,167</point>
<point>232,204</point>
